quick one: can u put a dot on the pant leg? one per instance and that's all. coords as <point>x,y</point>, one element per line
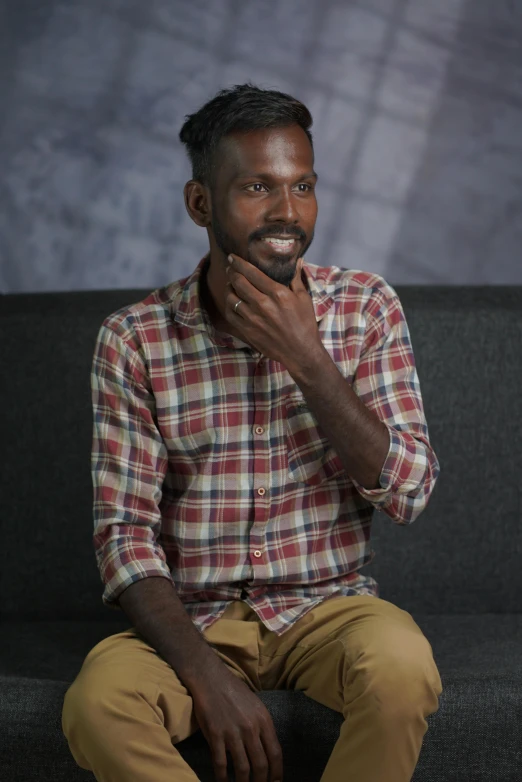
<point>127,708</point>
<point>124,710</point>
<point>369,660</point>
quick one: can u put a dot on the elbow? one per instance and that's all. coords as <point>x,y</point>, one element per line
<point>404,509</point>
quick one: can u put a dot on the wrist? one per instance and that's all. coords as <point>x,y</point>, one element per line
<point>305,369</point>
<point>207,673</point>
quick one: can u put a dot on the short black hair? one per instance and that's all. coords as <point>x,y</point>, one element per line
<point>241,108</point>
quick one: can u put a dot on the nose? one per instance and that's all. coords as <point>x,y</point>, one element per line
<point>284,207</point>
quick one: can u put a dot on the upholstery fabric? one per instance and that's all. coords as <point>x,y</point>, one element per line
<point>456,569</point>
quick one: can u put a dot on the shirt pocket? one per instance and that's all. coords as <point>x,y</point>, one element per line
<point>311,459</point>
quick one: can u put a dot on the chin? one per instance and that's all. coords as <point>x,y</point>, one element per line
<point>277,259</point>
<point>281,269</point>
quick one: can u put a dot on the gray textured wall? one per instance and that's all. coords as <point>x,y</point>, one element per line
<point>417,119</point>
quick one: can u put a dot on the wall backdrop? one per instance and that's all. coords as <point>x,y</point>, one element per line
<point>417,109</point>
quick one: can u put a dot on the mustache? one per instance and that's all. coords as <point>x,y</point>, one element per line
<point>288,233</point>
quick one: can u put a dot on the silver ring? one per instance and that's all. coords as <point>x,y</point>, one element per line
<point>237,304</point>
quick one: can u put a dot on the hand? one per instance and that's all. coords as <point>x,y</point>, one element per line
<point>276,320</point>
<point>233,718</point>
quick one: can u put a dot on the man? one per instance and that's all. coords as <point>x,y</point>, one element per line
<point>248,419</point>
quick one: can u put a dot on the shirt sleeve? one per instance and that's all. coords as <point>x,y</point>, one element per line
<point>386,381</point>
<point>128,465</point>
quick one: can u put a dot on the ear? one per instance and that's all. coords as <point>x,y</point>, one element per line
<point>197,203</point>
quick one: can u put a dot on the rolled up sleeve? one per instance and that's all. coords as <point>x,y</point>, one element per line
<point>386,381</point>
<point>128,464</point>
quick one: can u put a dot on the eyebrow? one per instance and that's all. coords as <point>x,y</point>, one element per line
<point>261,175</point>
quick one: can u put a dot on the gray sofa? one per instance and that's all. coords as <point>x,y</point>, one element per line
<point>457,569</point>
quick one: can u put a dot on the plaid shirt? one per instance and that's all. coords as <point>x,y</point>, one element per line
<point>210,470</point>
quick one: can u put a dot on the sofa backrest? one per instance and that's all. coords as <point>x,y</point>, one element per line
<point>462,554</point>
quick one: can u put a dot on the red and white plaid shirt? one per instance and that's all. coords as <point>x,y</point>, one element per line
<point>209,469</point>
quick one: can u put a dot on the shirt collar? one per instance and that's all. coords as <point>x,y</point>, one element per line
<point>189,312</point>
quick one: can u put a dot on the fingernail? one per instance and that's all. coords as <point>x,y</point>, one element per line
<point>230,259</point>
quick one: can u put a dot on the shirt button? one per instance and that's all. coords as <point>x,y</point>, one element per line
<point>259,430</point>
<point>257,553</point>
<point>261,491</point>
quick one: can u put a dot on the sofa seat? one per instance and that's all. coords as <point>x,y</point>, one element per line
<point>475,735</point>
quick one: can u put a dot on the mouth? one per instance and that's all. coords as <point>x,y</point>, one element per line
<point>283,246</point>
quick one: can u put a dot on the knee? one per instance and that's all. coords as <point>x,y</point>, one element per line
<point>79,724</point>
<point>93,701</point>
<point>403,682</point>
<point>81,707</point>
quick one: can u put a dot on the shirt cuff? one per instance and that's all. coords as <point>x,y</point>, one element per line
<point>128,575</point>
<point>403,471</point>
<point>380,495</point>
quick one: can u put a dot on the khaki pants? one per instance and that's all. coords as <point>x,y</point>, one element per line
<point>360,655</point>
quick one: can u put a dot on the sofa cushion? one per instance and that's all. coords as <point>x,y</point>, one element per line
<point>474,735</point>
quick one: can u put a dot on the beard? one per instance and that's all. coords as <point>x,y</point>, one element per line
<point>281,268</point>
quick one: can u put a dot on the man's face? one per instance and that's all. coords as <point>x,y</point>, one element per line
<point>264,190</point>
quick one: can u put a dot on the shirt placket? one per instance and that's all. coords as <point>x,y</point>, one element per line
<point>261,478</point>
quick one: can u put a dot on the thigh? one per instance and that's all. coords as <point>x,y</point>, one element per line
<point>349,642</point>
<point>123,674</point>
<point>124,656</point>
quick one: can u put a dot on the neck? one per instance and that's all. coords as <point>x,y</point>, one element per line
<point>207,300</point>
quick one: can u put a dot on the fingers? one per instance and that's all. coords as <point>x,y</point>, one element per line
<point>263,758</point>
<point>274,753</point>
<point>219,761</point>
<point>259,761</point>
<point>235,722</point>
<point>241,762</point>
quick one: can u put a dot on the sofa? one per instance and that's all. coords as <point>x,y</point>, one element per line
<point>457,569</point>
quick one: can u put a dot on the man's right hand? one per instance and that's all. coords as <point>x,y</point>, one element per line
<point>233,718</point>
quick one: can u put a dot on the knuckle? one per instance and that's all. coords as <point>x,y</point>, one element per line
<point>249,729</point>
<point>268,725</point>
<point>265,727</point>
<point>276,753</point>
<point>214,732</point>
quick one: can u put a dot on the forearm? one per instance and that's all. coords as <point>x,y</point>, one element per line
<point>356,433</point>
<point>156,611</point>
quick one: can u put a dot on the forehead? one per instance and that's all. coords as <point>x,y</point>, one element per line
<point>277,152</point>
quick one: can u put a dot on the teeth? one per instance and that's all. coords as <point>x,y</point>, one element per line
<point>283,242</point>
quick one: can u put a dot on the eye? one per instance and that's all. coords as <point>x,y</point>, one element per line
<point>255,185</point>
<point>305,187</point>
